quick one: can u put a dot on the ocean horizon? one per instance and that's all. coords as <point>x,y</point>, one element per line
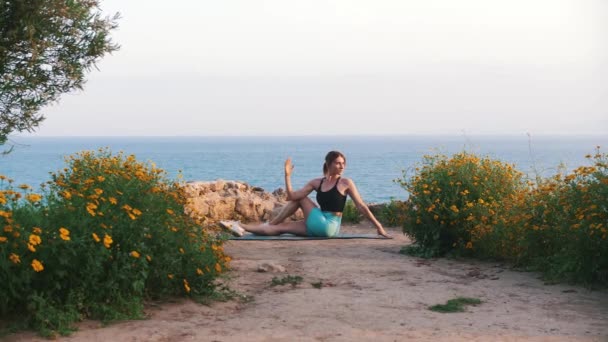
<point>373,161</point>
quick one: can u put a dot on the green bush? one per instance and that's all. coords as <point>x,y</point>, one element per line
<point>558,226</point>
<point>456,201</point>
<point>483,208</point>
<point>391,214</point>
<point>351,214</point>
<point>107,233</point>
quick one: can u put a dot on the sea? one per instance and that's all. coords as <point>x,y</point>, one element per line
<point>373,162</point>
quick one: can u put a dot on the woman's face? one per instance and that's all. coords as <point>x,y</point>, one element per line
<point>337,166</point>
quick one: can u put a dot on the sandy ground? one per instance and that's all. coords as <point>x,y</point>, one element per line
<point>369,292</point>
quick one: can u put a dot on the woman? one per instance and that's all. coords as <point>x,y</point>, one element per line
<point>331,196</point>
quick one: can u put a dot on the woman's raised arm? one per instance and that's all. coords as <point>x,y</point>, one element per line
<point>291,194</point>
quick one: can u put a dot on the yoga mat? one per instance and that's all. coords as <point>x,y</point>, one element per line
<point>295,237</point>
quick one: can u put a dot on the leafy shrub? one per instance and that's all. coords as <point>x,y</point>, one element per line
<point>558,226</point>
<point>455,201</point>
<point>482,208</point>
<point>351,213</point>
<point>391,214</point>
<point>107,233</point>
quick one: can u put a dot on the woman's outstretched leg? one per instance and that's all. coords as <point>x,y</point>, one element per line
<point>297,228</point>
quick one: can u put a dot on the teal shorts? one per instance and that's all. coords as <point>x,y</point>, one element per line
<point>322,224</point>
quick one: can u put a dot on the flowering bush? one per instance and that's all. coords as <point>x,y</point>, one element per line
<point>108,232</point>
<point>455,201</point>
<point>480,207</point>
<point>559,225</point>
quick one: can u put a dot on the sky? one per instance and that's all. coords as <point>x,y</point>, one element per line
<point>345,67</point>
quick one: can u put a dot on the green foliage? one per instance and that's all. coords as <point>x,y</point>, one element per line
<point>288,279</point>
<point>455,305</point>
<point>559,226</point>
<point>391,214</point>
<point>482,208</point>
<point>454,200</point>
<point>350,213</point>
<point>45,48</point>
<point>108,233</point>
<point>418,251</point>
<point>317,284</point>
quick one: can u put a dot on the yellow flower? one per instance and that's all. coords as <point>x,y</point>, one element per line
<point>37,230</point>
<point>149,258</point>
<point>218,268</point>
<point>170,212</point>
<point>133,217</point>
<point>24,186</point>
<point>107,241</point>
<point>112,200</point>
<point>14,258</point>
<point>136,212</point>
<point>35,240</point>
<point>64,234</point>
<point>181,250</point>
<point>454,208</point>
<point>37,265</point>
<point>91,208</point>
<point>186,286</point>
<point>96,238</point>
<point>469,245</point>
<point>98,191</point>
<point>31,247</point>
<point>135,254</point>
<point>66,194</point>
<point>481,201</point>
<point>33,198</point>
<point>100,178</point>
<point>199,271</point>
<point>3,239</point>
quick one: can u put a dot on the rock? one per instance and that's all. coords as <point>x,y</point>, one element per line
<point>270,267</point>
<point>232,200</point>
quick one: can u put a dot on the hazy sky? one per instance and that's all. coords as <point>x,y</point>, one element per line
<point>286,67</point>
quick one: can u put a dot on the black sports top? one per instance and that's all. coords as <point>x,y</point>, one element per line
<point>331,200</point>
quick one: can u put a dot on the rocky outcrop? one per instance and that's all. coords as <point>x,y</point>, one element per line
<point>233,200</point>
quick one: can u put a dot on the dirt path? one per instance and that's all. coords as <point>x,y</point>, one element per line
<point>369,292</point>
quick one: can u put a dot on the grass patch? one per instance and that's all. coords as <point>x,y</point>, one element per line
<point>317,285</point>
<point>288,279</point>
<point>455,305</point>
<point>418,251</point>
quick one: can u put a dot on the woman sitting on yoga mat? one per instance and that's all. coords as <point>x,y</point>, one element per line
<point>331,196</point>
